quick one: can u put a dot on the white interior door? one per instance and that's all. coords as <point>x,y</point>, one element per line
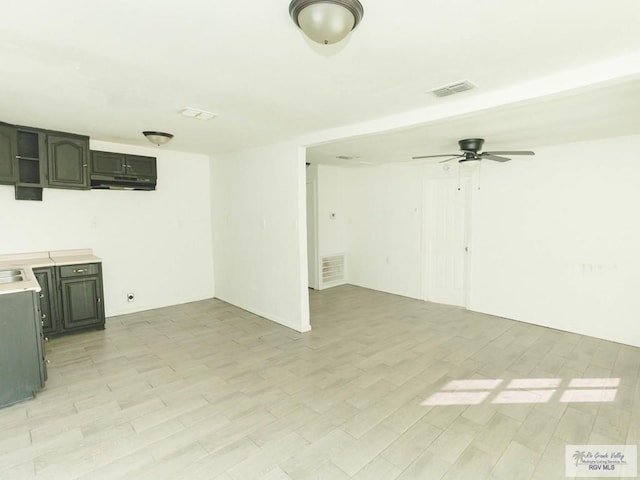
<point>312,236</point>
<point>447,210</point>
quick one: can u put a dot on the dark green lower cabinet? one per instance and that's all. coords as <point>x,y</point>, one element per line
<point>71,298</point>
<point>23,369</point>
<point>82,303</point>
<point>48,299</point>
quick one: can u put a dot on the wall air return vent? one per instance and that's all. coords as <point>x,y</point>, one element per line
<point>332,270</point>
<point>453,88</point>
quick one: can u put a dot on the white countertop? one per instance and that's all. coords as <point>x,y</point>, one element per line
<point>28,261</point>
<point>33,259</point>
<point>73,257</point>
<point>29,282</point>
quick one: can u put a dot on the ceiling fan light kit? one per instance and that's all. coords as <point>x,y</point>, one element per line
<point>469,159</point>
<point>326,21</point>
<point>470,148</point>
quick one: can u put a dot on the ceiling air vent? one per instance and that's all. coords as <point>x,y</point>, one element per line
<point>453,88</point>
<point>197,113</point>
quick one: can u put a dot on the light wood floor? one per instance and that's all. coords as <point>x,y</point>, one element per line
<point>384,387</point>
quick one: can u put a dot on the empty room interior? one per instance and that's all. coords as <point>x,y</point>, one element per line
<point>319,239</point>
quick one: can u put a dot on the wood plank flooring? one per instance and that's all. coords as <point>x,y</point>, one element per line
<point>383,388</point>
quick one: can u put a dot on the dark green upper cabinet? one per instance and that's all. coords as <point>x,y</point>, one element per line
<point>33,159</point>
<point>8,151</point>
<point>68,161</point>
<point>109,163</point>
<point>31,164</point>
<point>141,166</point>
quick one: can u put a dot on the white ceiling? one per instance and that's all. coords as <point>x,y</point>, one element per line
<point>607,111</point>
<point>112,69</point>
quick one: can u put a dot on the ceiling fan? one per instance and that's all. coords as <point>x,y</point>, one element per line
<point>470,148</point>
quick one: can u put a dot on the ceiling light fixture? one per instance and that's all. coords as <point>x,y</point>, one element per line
<point>158,138</point>
<point>469,161</point>
<point>326,21</point>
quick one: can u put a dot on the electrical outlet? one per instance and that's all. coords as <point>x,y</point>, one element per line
<point>130,297</point>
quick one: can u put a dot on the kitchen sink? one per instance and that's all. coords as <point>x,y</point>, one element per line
<point>11,276</point>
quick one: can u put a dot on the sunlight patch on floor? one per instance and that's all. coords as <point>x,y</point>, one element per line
<point>588,395</point>
<point>523,396</point>
<point>525,390</point>
<point>472,385</point>
<point>456,398</point>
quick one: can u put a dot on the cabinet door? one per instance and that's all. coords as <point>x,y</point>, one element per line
<point>82,302</point>
<point>48,304</point>
<point>8,152</point>
<point>139,166</point>
<point>68,162</point>
<point>107,163</point>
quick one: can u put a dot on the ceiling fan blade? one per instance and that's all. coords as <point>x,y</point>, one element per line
<point>495,158</point>
<point>452,158</point>
<point>515,152</point>
<point>436,156</point>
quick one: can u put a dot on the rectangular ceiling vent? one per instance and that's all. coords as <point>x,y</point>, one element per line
<point>453,88</point>
<point>333,270</point>
<point>197,113</point>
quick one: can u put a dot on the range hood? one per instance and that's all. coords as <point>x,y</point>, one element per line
<point>122,182</point>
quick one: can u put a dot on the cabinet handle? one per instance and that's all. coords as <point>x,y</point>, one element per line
<point>80,270</point>
<point>46,339</point>
<point>42,295</point>
<point>85,165</point>
<point>48,361</point>
<point>44,315</point>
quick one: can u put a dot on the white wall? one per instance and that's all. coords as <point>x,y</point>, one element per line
<point>331,217</point>
<point>155,244</point>
<point>385,228</point>
<point>332,231</point>
<point>259,240</point>
<point>554,237</point>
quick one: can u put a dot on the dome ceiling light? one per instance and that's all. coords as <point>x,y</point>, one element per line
<point>326,21</point>
<point>158,138</point>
